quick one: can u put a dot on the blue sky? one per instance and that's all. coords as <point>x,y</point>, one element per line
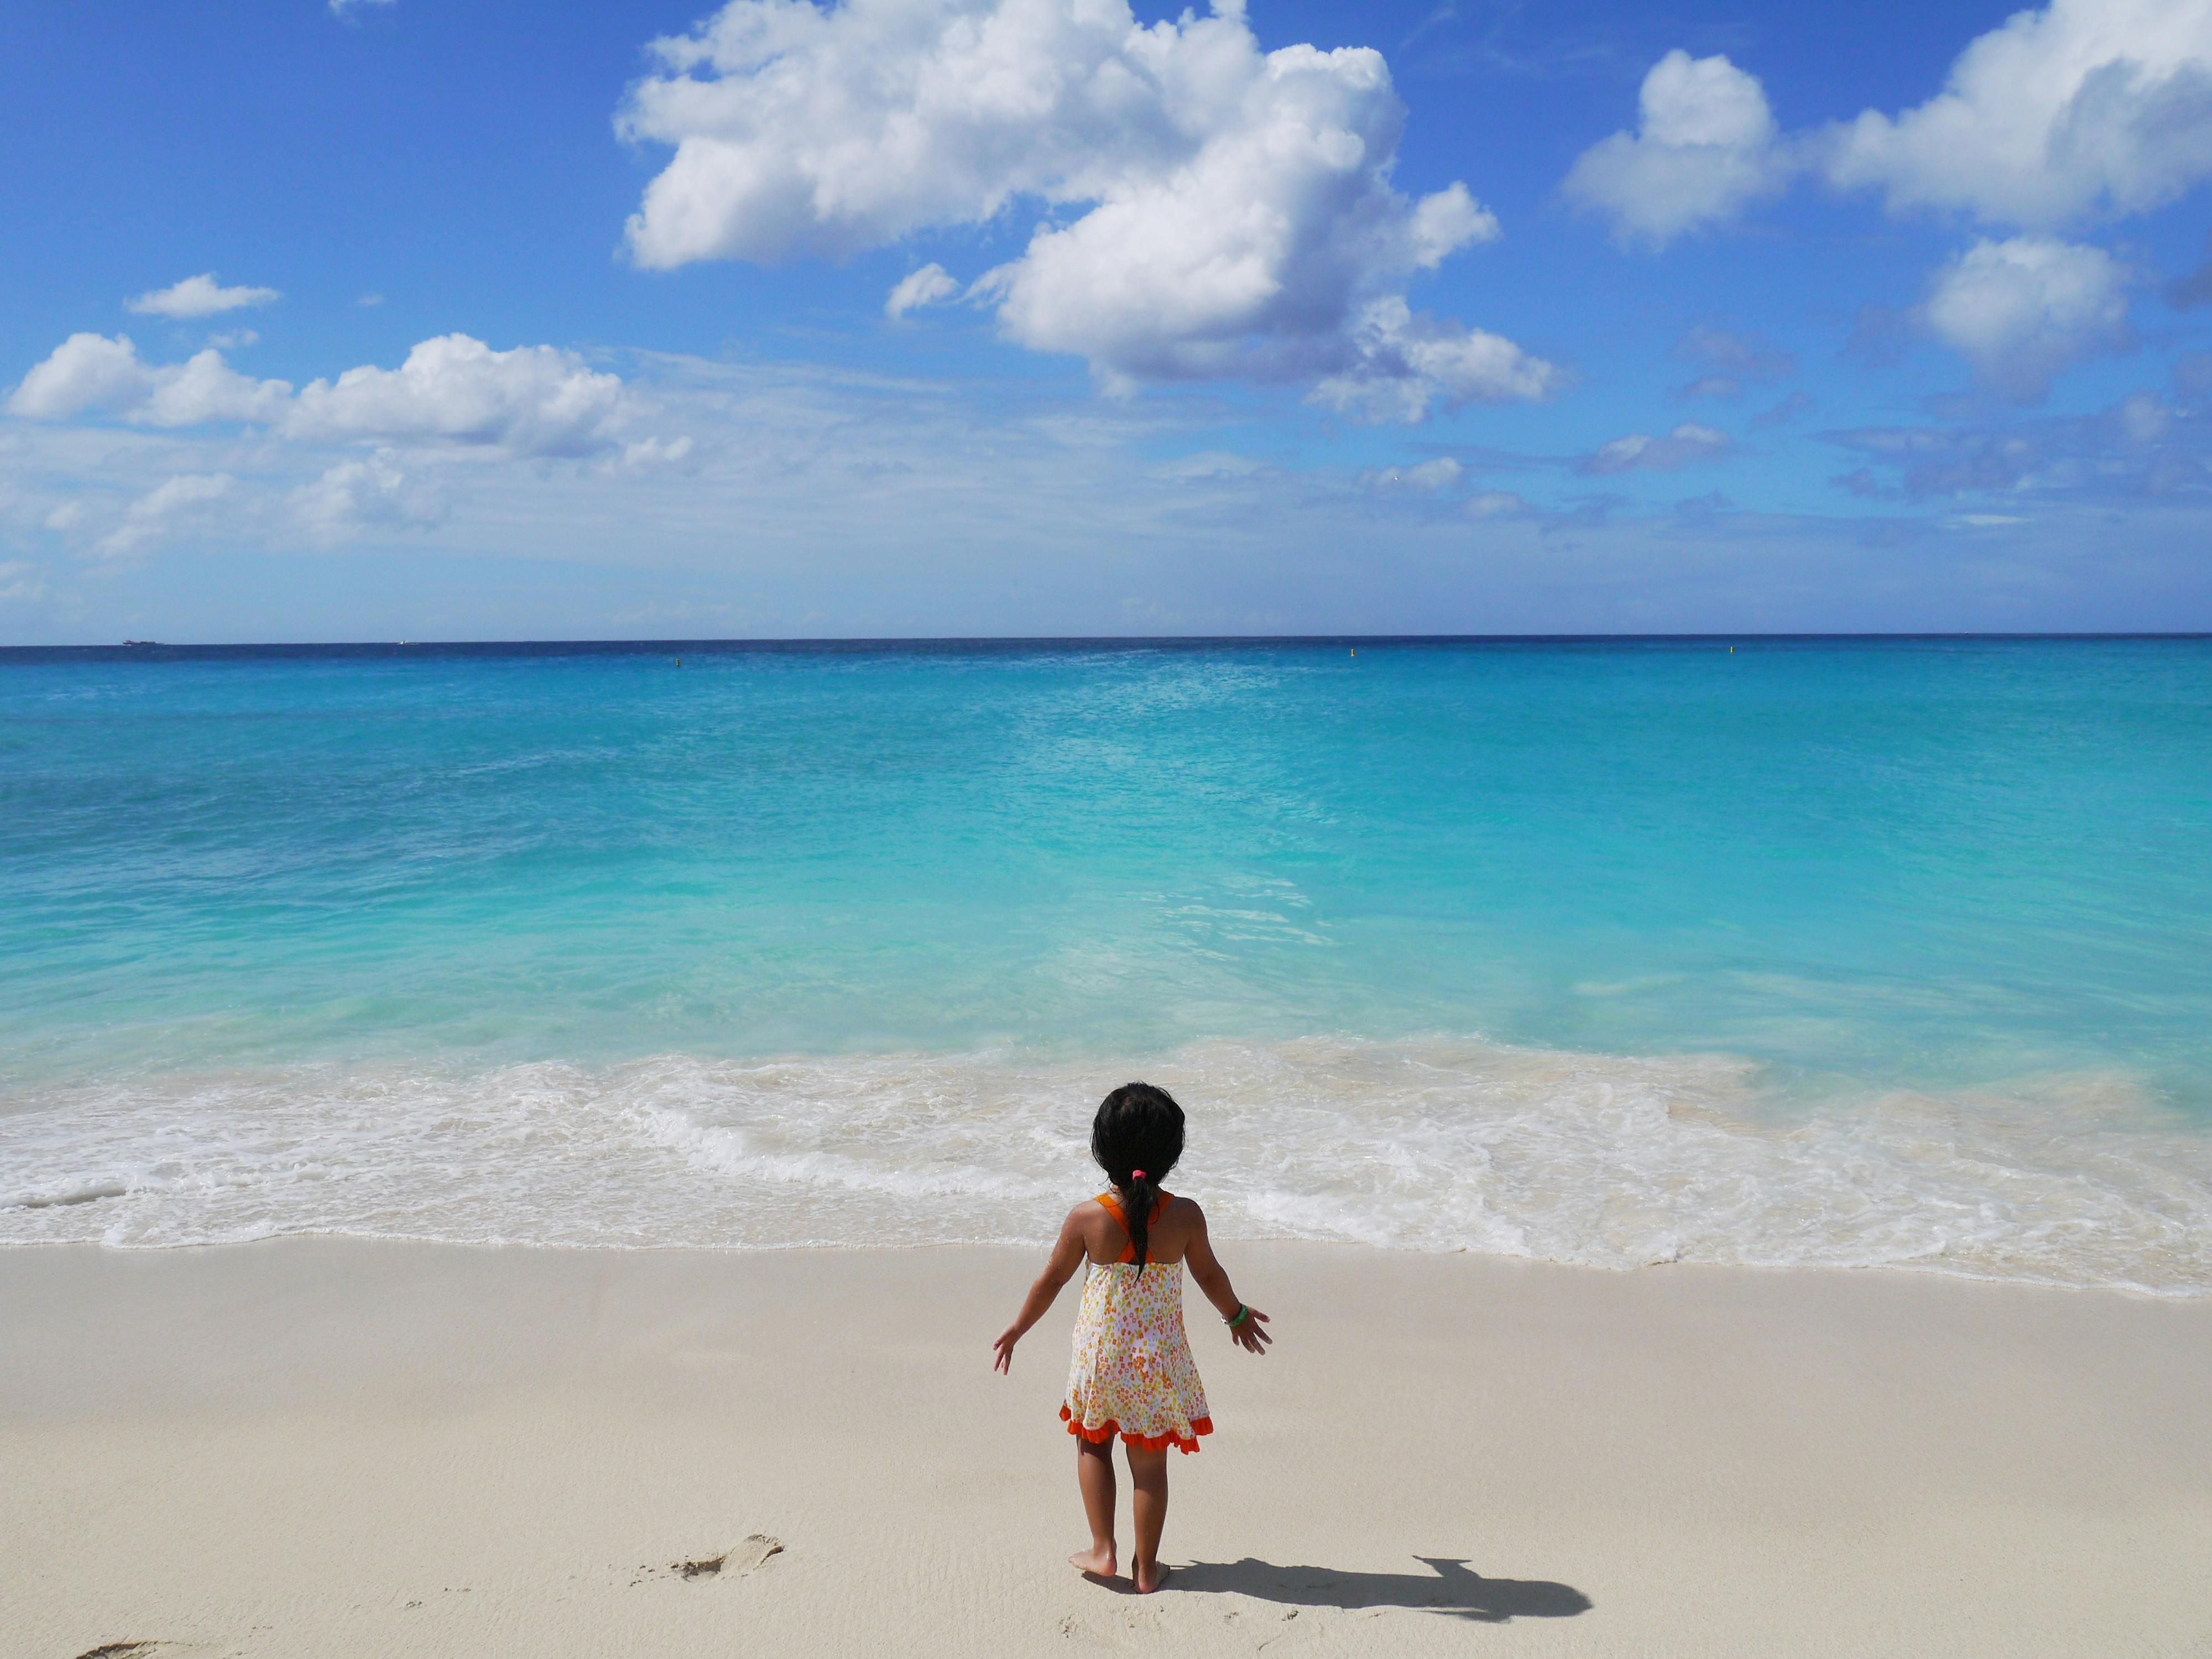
<point>398,320</point>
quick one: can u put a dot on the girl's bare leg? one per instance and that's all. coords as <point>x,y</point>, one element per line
<point>1094,1472</point>
<point>1148,1476</point>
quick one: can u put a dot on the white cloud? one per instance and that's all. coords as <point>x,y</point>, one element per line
<point>1705,148</point>
<point>1639,452</point>
<point>1232,210</point>
<point>2082,110</point>
<point>929,286</point>
<point>1442,473</point>
<point>649,454</point>
<point>1499,504</point>
<point>804,130</point>
<point>232,339</point>
<point>2023,309</point>
<point>348,7</point>
<point>199,296</point>
<point>178,504</point>
<point>205,388</point>
<point>91,373</point>
<point>1403,363</point>
<point>356,496</point>
<point>533,400</point>
<point>84,372</point>
<point>2086,108</point>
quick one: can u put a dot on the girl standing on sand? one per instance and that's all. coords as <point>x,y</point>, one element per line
<point>1132,1373</point>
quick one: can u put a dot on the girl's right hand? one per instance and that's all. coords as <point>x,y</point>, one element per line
<point>1248,1333</point>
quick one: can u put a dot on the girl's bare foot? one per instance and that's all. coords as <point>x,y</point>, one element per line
<point>1098,1560</point>
<point>1149,1578</point>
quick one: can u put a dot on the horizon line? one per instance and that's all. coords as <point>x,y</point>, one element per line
<point>140,648</point>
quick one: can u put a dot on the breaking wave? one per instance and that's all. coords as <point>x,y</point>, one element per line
<point>1434,1145</point>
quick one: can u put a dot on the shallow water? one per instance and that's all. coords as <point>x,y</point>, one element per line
<point>1815,952</point>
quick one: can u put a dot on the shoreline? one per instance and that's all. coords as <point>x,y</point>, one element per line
<point>2182,1296</point>
<point>347,1447</point>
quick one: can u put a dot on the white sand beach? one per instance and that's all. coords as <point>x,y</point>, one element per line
<point>337,1448</point>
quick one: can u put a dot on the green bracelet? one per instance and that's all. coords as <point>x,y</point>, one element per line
<point>1243,1313</point>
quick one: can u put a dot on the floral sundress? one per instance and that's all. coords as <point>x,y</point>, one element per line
<point>1133,1374</point>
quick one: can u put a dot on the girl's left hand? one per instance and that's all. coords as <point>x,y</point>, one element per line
<point>1003,1351</point>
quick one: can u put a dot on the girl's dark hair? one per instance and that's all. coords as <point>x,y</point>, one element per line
<point>1138,1128</point>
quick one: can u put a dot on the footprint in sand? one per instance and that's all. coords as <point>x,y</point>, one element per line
<point>749,1557</point>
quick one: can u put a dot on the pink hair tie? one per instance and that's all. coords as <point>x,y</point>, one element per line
<point>1136,1174</point>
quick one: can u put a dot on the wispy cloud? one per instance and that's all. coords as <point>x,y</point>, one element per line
<point>931,285</point>
<point>1639,452</point>
<point>1732,360</point>
<point>2146,447</point>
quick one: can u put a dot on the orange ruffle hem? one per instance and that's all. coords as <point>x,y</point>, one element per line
<point>1142,1442</point>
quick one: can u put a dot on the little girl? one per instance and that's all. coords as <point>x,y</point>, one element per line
<point>1132,1373</point>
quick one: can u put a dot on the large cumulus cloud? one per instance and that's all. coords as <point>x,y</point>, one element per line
<point>2083,110</point>
<point>1213,210</point>
<point>2088,108</point>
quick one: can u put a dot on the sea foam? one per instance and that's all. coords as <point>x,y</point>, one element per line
<point>1430,1144</point>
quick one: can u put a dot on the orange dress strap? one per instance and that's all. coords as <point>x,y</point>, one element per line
<point>1113,1208</point>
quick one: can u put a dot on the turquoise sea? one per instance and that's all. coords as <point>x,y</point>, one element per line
<point>1856,951</point>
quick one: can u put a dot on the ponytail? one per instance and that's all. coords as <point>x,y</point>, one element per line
<point>1137,1200</point>
<point>1136,1138</point>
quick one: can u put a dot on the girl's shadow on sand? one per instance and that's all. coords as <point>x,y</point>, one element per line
<point>1448,1587</point>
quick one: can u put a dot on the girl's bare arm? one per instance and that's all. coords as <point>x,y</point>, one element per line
<point>1211,1278</point>
<point>1067,1254</point>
